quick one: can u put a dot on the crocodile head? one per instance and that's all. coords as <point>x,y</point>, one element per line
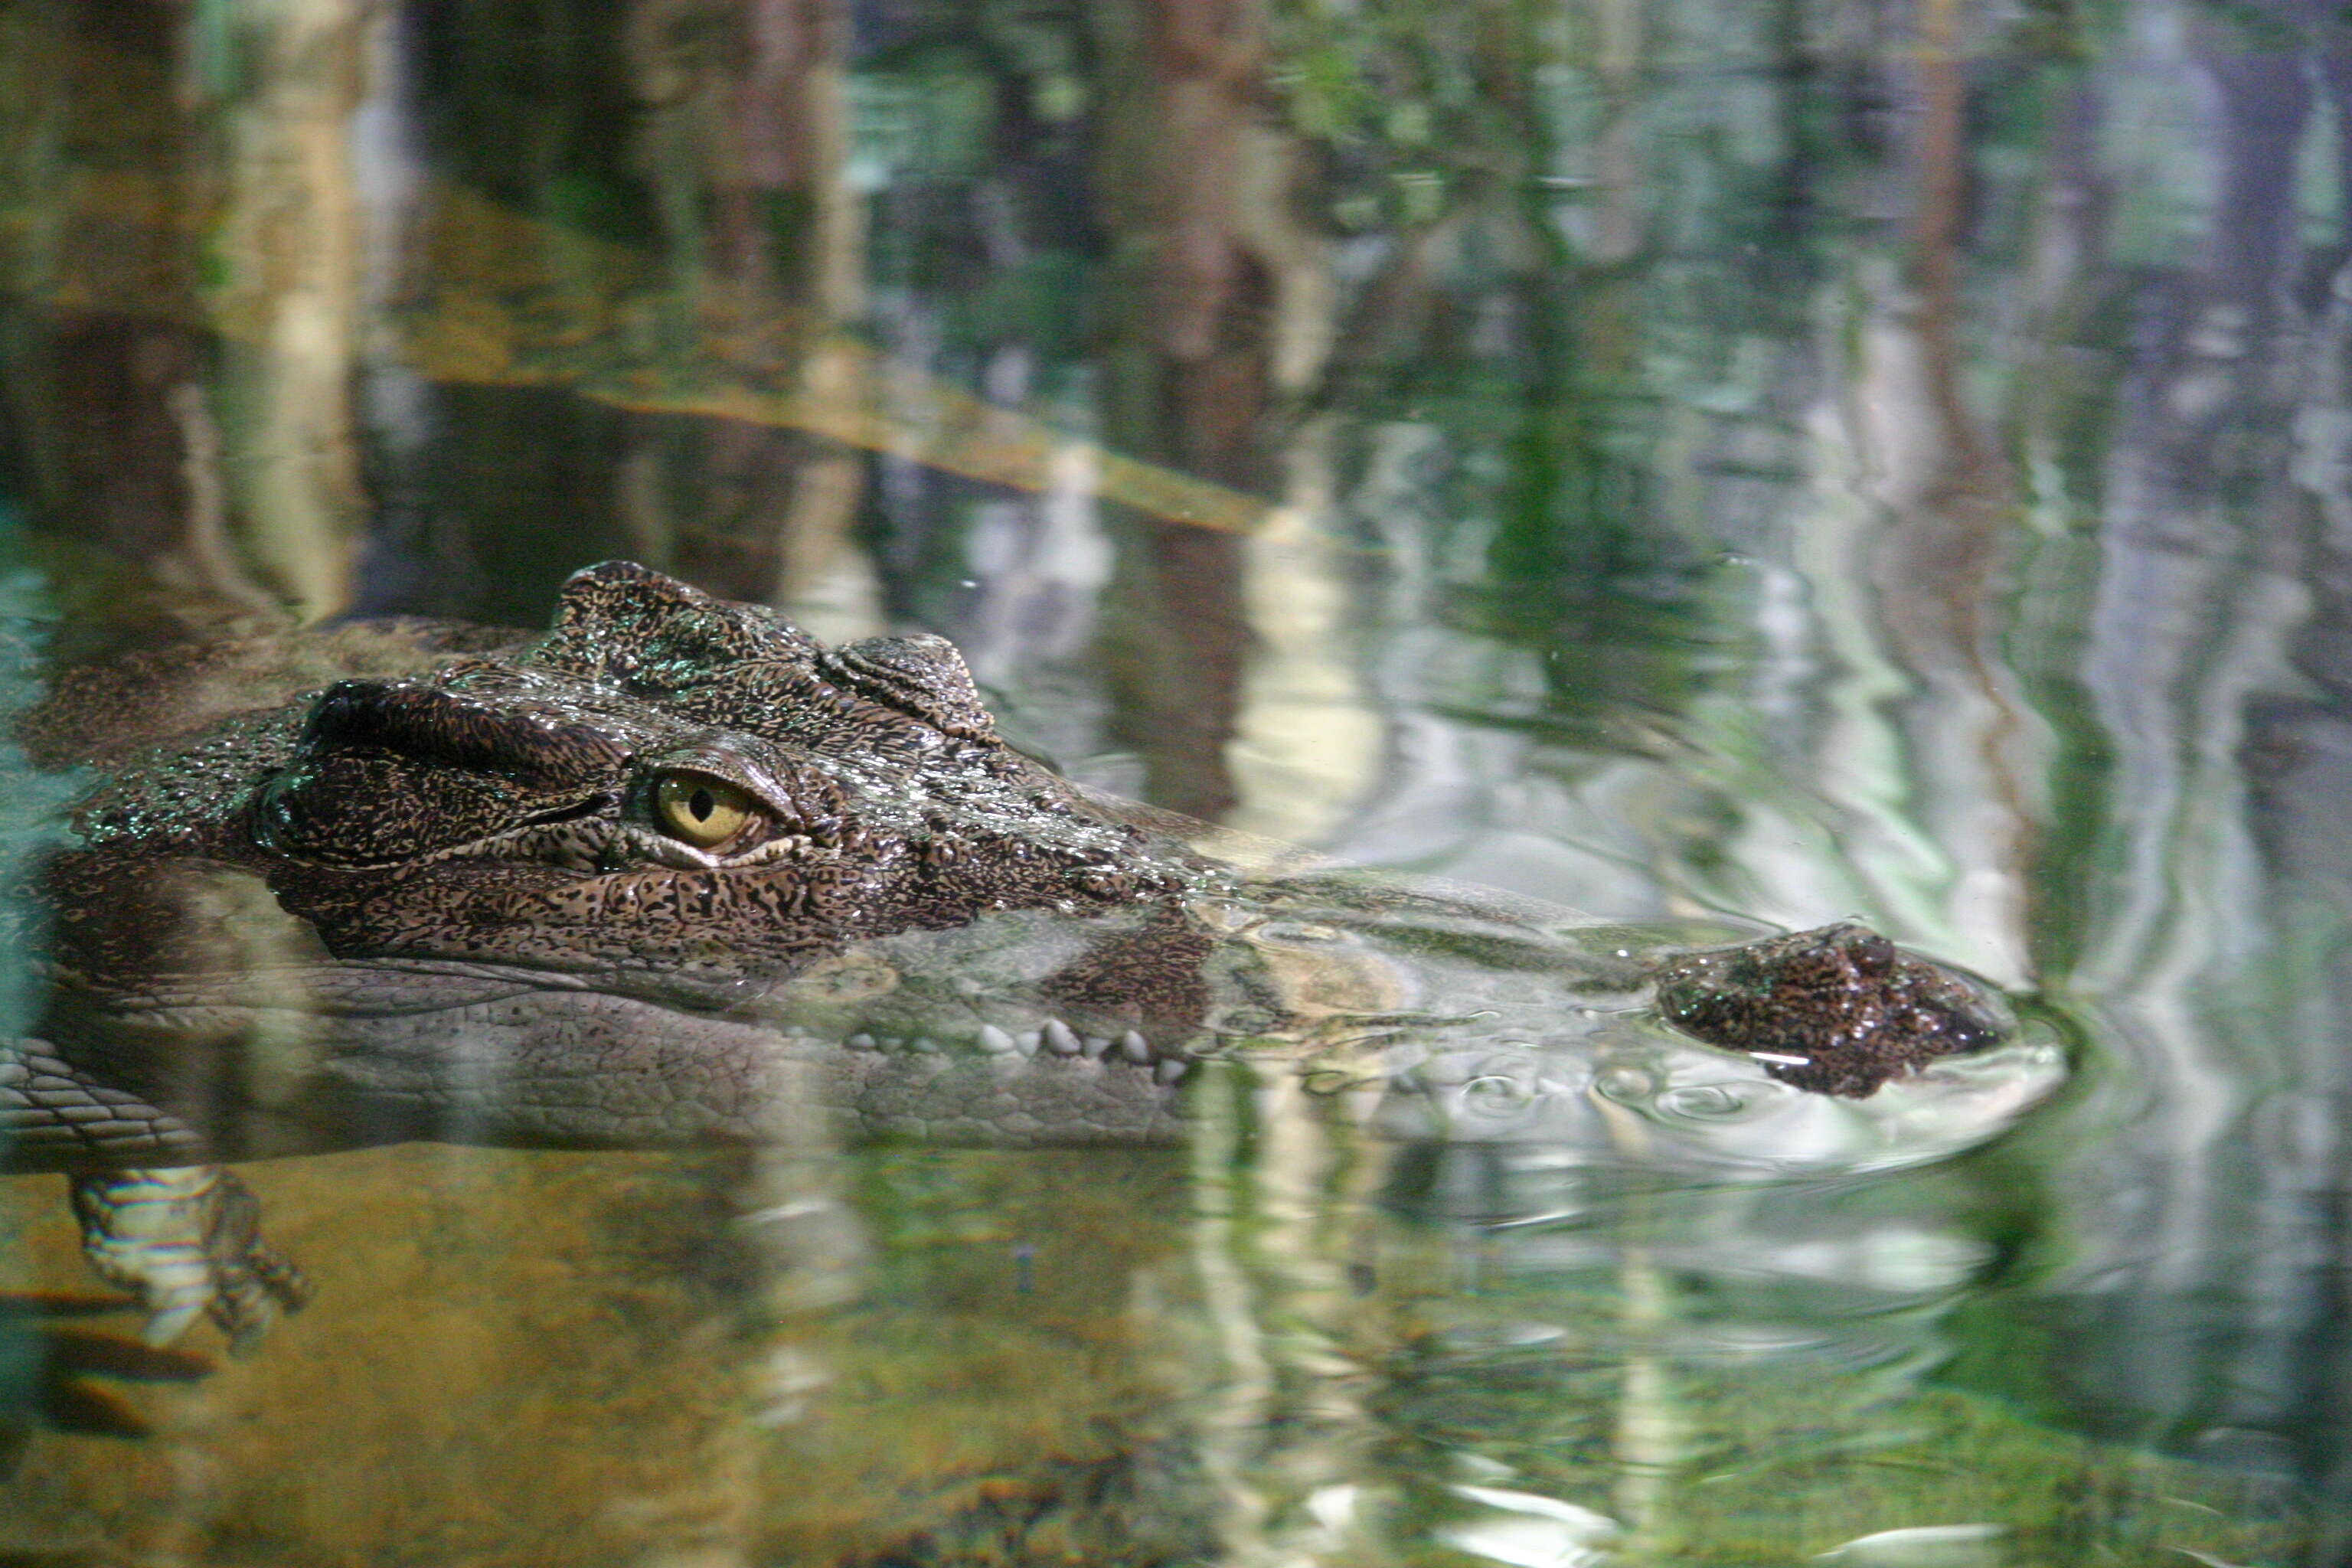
<point>664,785</point>
<point>674,863</point>
<point>595,885</point>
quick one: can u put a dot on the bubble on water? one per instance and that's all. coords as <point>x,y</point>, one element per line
<point>1496,1094</point>
<point>1625,1083</point>
<point>1298,933</point>
<point>1705,1102</point>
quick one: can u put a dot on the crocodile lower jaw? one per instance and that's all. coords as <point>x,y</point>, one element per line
<point>1056,1039</point>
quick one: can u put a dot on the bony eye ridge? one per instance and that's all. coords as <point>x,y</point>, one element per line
<point>708,813</point>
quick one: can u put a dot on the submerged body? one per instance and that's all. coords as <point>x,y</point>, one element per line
<point>675,871</point>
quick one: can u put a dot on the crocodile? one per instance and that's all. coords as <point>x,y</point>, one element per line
<point>676,871</point>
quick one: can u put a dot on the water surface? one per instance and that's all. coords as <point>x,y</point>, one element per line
<point>1772,460</point>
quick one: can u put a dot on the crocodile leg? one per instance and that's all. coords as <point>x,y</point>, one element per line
<point>183,1241</point>
<point>184,1238</point>
<point>52,1115</point>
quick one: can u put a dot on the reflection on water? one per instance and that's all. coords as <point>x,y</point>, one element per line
<point>1878,457</point>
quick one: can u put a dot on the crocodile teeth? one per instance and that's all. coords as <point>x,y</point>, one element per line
<point>1059,1039</point>
<point>1027,1041</point>
<point>1132,1045</point>
<point>1170,1071</point>
<point>1093,1046</point>
<point>927,1046</point>
<point>861,1043</point>
<point>995,1041</point>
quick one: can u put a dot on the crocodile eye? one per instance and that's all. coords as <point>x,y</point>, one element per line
<point>706,812</point>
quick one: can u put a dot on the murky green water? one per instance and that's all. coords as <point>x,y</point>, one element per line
<point>1790,461</point>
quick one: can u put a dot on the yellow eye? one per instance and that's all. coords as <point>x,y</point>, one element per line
<point>706,812</point>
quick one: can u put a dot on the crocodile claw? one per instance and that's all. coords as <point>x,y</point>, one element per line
<point>187,1242</point>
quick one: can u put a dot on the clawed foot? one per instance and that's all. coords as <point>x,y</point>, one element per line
<point>185,1242</point>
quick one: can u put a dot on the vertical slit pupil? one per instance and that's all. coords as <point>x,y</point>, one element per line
<point>701,805</point>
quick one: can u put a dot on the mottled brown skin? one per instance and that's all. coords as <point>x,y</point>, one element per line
<point>494,799</point>
<point>448,795</point>
<point>1840,1010</point>
<point>500,806</point>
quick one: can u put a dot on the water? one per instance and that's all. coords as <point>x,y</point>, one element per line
<point>1769,461</point>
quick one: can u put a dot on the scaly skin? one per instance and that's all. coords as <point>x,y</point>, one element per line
<point>675,869</point>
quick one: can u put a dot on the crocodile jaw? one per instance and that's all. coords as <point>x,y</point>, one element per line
<point>577,1068</point>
